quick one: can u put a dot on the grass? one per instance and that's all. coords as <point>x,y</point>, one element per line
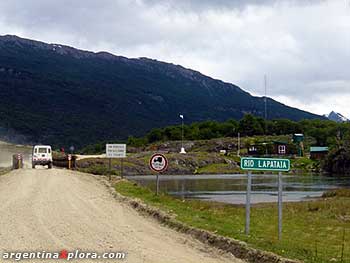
<point>304,164</point>
<point>99,170</point>
<point>217,168</point>
<point>312,231</point>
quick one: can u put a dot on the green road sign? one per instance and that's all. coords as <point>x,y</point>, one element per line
<point>265,164</point>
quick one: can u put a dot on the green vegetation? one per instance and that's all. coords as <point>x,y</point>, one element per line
<point>338,160</point>
<point>138,164</point>
<point>99,170</point>
<point>324,132</point>
<point>98,166</point>
<point>305,165</point>
<point>312,231</point>
<point>211,136</point>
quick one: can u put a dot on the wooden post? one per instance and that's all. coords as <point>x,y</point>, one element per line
<point>280,189</point>
<point>157,186</point>
<point>110,169</point>
<point>121,167</point>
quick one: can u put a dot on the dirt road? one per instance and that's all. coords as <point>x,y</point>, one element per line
<point>51,210</point>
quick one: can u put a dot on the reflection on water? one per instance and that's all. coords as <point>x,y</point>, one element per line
<point>231,188</point>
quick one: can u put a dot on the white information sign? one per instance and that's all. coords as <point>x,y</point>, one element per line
<point>116,150</point>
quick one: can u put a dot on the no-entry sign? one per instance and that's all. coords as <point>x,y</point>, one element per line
<point>158,163</point>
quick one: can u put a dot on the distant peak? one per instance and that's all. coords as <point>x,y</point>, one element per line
<point>337,117</point>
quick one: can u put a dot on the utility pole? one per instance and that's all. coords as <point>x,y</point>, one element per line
<point>265,100</point>
<point>239,144</point>
<point>182,134</point>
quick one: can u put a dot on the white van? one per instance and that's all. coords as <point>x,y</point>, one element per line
<point>42,155</point>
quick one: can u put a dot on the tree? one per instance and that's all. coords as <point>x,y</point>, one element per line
<point>282,127</point>
<point>154,135</point>
<point>338,160</point>
<point>136,142</point>
<point>250,126</point>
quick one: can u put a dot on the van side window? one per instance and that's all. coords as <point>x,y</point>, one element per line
<point>36,150</point>
<point>49,150</point>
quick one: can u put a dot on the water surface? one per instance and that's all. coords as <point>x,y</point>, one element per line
<point>232,188</point>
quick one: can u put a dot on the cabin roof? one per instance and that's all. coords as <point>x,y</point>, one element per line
<point>318,149</point>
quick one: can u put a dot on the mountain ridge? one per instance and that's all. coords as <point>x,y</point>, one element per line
<point>110,97</point>
<point>337,117</point>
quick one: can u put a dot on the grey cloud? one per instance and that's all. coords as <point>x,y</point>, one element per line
<point>200,5</point>
<point>302,46</point>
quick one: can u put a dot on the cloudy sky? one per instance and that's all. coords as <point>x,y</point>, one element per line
<point>303,46</point>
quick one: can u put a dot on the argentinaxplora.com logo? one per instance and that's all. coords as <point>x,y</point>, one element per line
<point>63,255</point>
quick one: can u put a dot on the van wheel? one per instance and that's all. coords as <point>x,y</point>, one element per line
<point>50,165</point>
<point>33,166</point>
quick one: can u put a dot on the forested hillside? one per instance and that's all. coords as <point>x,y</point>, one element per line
<point>63,96</point>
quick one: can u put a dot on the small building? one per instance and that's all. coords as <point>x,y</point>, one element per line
<point>273,148</point>
<point>318,153</point>
<point>253,150</point>
<point>280,148</point>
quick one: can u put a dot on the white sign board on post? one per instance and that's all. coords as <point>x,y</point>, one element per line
<point>116,150</point>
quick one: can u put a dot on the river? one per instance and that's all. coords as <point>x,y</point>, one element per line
<point>231,188</point>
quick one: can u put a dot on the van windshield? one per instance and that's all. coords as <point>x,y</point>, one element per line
<point>42,150</point>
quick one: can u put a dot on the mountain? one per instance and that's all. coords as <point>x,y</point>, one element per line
<point>64,96</point>
<point>337,117</point>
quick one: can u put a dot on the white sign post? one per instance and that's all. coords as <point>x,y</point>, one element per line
<point>264,164</point>
<point>116,151</point>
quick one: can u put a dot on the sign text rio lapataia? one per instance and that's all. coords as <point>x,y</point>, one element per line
<point>268,164</point>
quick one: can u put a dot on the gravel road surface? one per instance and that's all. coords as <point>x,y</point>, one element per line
<point>52,210</point>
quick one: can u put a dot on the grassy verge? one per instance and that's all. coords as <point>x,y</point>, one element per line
<point>312,231</point>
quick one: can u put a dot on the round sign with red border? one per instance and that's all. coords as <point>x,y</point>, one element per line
<point>158,163</point>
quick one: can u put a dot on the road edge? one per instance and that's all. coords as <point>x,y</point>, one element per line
<point>5,170</point>
<point>237,248</point>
